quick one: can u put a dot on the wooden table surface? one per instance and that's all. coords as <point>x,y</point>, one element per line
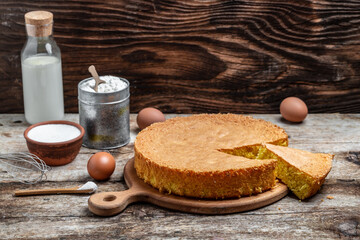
<point>68,217</point>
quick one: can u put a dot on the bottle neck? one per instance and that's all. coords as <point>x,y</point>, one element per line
<point>43,39</point>
<point>44,45</point>
<point>39,31</point>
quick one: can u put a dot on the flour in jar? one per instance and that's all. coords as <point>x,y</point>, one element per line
<point>112,84</point>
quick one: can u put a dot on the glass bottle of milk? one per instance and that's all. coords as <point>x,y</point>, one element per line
<point>41,70</point>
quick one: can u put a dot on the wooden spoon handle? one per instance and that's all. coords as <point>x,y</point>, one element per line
<point>95,75</point>
<point>111,203</point>
<point>50,191</point>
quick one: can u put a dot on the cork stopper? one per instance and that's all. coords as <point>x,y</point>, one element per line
<point>39,23</point>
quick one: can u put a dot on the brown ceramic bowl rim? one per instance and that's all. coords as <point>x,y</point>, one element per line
<point>82,132</point>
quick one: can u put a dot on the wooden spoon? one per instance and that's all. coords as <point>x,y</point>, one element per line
<point>95,75</point>
<point>88,187</point>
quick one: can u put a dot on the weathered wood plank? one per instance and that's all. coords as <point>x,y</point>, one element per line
<point>67,216</point>
<point>199,56</point>
<point>148,222</point>
<point>345,192</point>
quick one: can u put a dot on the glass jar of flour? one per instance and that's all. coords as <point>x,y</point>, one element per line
<point>41,70</point>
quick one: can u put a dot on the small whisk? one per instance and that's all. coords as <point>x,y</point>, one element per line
<point>23,167</point>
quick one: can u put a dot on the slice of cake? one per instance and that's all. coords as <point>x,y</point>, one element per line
<point>302,171</point>
<point>181,155</point>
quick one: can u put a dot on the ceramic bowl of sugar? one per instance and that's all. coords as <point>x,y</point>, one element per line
<point>55,142</point>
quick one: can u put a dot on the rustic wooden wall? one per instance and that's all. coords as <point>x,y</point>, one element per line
<point>199,56</point>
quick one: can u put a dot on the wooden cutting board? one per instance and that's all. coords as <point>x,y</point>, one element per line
<point>112,203</point>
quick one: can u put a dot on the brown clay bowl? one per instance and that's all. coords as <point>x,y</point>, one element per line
<point>58,153</point>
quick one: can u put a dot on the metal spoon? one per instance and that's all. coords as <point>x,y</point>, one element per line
<point>95,75</point>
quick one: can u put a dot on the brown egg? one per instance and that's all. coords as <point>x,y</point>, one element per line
<point>148,116</point>
<point>101,165</point>
<point>293,109</point>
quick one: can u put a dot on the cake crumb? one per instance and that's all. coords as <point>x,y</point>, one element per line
<point>279,208</point>
<point>330,197</point>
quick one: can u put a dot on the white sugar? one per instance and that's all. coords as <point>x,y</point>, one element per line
<point>52,133</point>
<point>112,84</point>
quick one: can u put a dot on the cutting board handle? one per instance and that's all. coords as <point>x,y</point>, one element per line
<point>112,203</point>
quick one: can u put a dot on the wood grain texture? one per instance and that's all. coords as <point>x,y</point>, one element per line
<point>68,217</point>
<point>199,56</point>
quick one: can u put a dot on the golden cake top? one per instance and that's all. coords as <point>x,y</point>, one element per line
<point>193,143</point>
<point>317,165</point>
